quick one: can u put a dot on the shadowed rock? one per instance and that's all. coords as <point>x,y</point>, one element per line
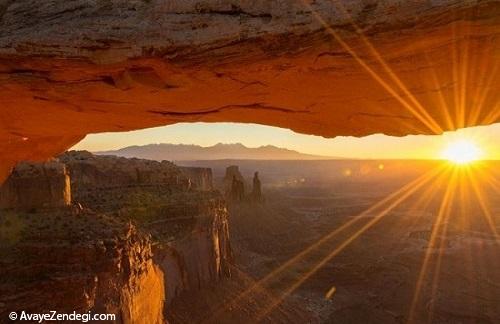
<point>34,186</point>
<point>201,178</point>
<point>256,194</point>
<point>234,184</point>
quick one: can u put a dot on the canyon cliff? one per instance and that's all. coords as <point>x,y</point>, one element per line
<point>73,259</point>
<point>234,184</point>
<point>322,67</point>
<point>256,194</point>
<point>31,186</point>
<point>201,178</point>
<point>188,223</point>
<point>130,237</point>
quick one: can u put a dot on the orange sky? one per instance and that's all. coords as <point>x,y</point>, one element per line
<point>251,135</point>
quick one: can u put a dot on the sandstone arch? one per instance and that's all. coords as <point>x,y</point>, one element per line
<point>324,67</point>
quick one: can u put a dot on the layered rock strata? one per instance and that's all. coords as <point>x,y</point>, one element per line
<point>137,236</point>
<point>70,68</point>
<point>110,183</point>
<point>189,226</point>
<point>76,260</point>
<point>234,184</point>
<point>201,178</point>
<point>32,186</point>
<point>198,259</point>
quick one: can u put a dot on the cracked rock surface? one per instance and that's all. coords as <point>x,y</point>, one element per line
<point>324,67</point>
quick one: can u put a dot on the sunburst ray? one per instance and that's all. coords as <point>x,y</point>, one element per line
<point>483,91</point>
<point>422,181</point>
<point>483,204</point>
<point>326,238</point>
<point>442,229</point>
<point>442,104</point>
<point>432,242</point>
<point>432,126</point>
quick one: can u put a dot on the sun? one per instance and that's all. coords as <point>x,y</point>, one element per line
<point>462,152</point>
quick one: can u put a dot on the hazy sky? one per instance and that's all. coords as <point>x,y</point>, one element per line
<point>251,135</point>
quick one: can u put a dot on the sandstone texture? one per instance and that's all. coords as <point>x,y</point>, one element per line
<point>70,68</point>
<point>41,185</point>
<point>199,259</point>
<point>137,235</point>
<point>77,260</point>
<point>90,172</point>
<point>108,183</point>
<point>200,178</point>
<point>234,184</point>
<point>189,225</point>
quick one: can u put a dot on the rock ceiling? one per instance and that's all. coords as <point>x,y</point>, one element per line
<point>324,67</point>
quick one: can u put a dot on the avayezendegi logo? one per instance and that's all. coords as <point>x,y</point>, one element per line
<point>55,316</point>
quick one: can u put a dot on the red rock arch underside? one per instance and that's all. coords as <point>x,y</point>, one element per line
<point>325,67</point>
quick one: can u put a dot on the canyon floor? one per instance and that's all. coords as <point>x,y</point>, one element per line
<point>372,271</point>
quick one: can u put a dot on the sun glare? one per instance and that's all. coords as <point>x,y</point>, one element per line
<point>462,152</point>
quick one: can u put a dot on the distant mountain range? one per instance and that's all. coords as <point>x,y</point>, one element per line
<point>182,152</point>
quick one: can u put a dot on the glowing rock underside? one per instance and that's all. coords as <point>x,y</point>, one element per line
<point>325,67</point>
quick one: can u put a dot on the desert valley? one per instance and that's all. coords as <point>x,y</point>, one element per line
<point>311,241</point>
